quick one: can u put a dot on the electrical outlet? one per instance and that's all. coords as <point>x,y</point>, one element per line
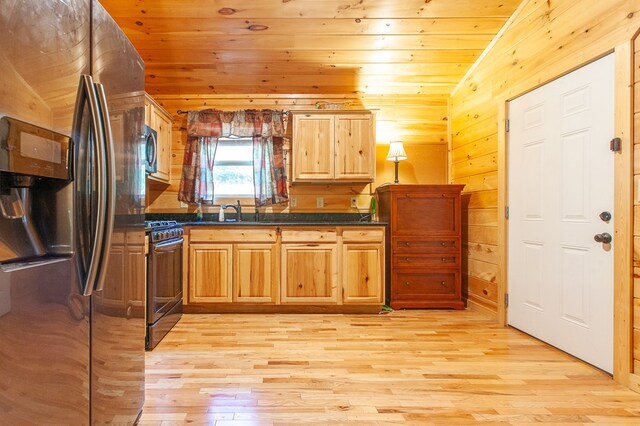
<point>183,205</point>
<point>319,202</point>
<point>293,202</point>
<point>354,202</point>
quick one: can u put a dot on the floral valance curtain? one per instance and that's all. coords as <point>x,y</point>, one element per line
<point>265,127</point>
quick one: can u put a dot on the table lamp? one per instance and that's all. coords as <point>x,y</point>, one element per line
<point>396,154</point>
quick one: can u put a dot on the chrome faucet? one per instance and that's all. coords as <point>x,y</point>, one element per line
<point>237,208</point>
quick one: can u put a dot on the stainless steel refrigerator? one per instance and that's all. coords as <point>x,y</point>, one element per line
<point>72,278</point>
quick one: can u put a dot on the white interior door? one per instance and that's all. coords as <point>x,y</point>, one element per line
<point>560,181</point>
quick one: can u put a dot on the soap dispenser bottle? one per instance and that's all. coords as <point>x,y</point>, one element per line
<point>221,215</point>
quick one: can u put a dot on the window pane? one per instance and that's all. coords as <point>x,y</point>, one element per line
<point>233,169</point>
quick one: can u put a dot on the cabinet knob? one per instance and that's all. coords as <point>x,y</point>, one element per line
<point>443,244</point>
<point>444,259</point>
<point>406,243</point>
<point>443,283</point>
<point>406,283</point>
<point>406,259</point>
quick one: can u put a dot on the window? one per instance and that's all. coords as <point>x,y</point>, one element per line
<point>233,168</point>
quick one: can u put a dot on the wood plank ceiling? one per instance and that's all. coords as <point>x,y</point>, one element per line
<point>362,47</point>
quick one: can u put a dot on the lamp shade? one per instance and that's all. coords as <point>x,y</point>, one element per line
<point>396,152</point>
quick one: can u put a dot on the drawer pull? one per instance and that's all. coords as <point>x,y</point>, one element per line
<point>406,283</point>
<point>406,259</point>
<point>444,259</point>
<point>443,283</point>
<point>443,244</point>
<point>406,243</point>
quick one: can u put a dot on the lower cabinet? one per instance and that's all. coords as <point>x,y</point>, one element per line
<point>362,266</point>
<point>256,273</point>
<point>286,266</point>
<point>210,272</point>
<point>310,273</point>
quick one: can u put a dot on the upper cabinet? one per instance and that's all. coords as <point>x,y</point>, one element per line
<point>333,146</point>
<point>159,120</point>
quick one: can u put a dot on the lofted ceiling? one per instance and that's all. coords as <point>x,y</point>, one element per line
<point>363,47</point>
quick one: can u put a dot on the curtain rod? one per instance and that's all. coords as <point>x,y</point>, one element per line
<point>187,112</point>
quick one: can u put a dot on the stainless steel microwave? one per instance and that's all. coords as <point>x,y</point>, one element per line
<point>151,150</point>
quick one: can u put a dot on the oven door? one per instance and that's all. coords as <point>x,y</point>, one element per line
<point>164,283</point>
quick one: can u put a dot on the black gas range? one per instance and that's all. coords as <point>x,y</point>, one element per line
<point>164,278</point>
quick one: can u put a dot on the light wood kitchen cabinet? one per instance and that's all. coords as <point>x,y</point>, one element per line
<point>256,273</point>
<point>210,273</point>
<point>160,120</point>
<point>309,273</point>
<point>362,266</point>
<point>233,265</point>
<point>285,269</point>
<point>330,146</point>
<point>309,266</point>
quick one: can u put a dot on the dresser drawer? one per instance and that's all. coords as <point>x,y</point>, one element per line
<point>426,245</point>
<point>409,285</point>
<point>428,261</point>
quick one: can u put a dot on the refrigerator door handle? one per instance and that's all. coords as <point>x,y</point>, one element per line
<point>87,93</point>
<point>110,185</point>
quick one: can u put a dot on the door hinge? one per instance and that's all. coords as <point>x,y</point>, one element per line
<point>615,144</point>
<point>506,300</point>
<point>507,125</point>
<point>506,212</point>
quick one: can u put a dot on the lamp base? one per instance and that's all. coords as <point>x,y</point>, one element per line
<point>396,181</point>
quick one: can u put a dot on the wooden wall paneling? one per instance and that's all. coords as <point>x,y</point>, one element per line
<point>546,40</point>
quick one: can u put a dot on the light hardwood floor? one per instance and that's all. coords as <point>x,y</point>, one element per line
<point>410,367</point>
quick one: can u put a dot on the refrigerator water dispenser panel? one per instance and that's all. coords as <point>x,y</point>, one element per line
<point>27,149</point>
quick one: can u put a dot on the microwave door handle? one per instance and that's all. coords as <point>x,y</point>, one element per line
<point>109,185</point>
<point>89,95</point>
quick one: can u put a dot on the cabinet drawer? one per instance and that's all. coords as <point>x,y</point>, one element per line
<point>226,235</point>
<point>351,235</point>
<point>419,260</point>
<point>435,245</point>
<point>411,284</point>
<point>309,235</point>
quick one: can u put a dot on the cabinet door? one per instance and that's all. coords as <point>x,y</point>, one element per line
<point>210,273</point>
<point>255,273</point>
<point>355,147</point>
<point>362,272</point>
<point>309,273</point>
<point>430,214</point>
<point>313,147</point>
<point>162,125</point>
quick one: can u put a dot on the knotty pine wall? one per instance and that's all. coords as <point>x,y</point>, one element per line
<point>544,40</point>
<point>420,121</point>
<point>636,207</point>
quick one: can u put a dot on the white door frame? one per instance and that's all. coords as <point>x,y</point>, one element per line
<point>623,210</point>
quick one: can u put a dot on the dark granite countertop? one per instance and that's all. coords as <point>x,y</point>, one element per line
<point>282,223</point>
<point>271,219</point>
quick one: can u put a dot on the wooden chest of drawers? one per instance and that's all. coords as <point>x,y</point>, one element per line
<point>423,261</point>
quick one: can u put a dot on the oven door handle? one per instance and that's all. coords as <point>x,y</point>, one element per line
<point>166,246</point>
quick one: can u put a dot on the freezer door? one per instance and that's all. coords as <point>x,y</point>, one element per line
<point>44,318</point>
<point>118,323</point>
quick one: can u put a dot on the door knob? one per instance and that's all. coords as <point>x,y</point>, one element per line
<point>604,238</point>
<point>605,216</point>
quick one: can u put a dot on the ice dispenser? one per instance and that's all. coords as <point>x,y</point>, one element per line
<point>35,191</point>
